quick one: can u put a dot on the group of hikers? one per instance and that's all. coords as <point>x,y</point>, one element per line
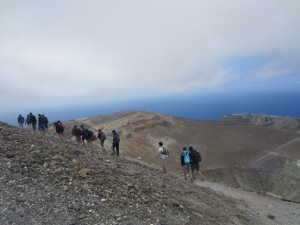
<point>83,135</point>
<point>31,122</point>
<point>190,158</point>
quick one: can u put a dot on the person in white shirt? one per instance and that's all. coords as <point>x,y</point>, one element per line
<point>163,152</point>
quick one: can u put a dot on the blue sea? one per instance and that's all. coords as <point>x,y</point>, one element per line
<point>204,106</point>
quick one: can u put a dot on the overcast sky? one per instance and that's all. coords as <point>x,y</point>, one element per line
<point>71,50</point>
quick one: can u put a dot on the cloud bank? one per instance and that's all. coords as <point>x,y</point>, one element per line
<point>84,50</point>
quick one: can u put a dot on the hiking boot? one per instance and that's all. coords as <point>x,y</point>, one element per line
<point>202,179</point>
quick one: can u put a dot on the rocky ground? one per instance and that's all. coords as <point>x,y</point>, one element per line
<point>238,153</point>
<point>45,180</point>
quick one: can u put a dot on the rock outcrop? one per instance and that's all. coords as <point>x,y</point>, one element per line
<point>277,122</point>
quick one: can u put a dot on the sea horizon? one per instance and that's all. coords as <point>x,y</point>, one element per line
<point>201,107</point>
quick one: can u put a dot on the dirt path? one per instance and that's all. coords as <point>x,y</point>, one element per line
<point>279,148</point>
<point>284,213</point>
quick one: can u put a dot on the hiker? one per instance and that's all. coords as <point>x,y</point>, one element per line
<point>163,152</point>
<point>41,123</point>
<point>186,163</point>
<point>102,138</point>
<point>32,121</point>
<point>28,122</point>
<point>88,135</point>
<point>46,122</point>
<point>116,143</point>
<point>59,127</point>
<point>83,134</point>
<point>21,121</point>
<point>77,133</point>
<point>195,160</point>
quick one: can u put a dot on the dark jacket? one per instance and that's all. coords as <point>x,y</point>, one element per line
<point>58,127</point>
<point>101,136</point>
<point>28,119</point>
<point>32,119</point>
<point>21,119</point>
<point>116,138</point>
<point>41,120</point>
<point>87,134</point>
<point>76,132</point>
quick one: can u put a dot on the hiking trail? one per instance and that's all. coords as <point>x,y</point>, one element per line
<point>269,209</point>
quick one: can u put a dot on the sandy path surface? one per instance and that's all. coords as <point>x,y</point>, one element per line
<point>285,213</point>
<point>264,207</point>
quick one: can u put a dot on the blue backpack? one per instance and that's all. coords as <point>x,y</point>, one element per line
<point>186,158</point>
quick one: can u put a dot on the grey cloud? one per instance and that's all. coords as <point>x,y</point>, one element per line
<point>50,48</point>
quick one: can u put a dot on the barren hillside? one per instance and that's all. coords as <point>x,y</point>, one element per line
<point>45,180</point>
<point>261,157</point>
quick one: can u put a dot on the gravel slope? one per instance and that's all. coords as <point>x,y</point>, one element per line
<point>45,180</point>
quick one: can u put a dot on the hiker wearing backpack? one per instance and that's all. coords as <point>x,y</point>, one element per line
<point>102,138</point>
<point>21,121</point>
<point>163,153</point>
<point>41,123</point>
<point>28,122</point>
<point>195,160</point>
<point>46,122</point>
<point>77,133</point>
<point>186,163</point>
<point>87,135</point>
<point>59,128</point>
<point>90,138</point>
<point>116,143</point>
<point>83,134</point>
<point>33,121</point>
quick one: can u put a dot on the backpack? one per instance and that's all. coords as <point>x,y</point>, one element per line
<point>116,138</point>
<point>103,137</point>
<point>62,125</point>
<point>195,157</point>
<point>42,120</point>
<point>90,134</point>
<point>165,150</point>
<point>84,133</point>
<point>28,119</point>
<point>76,132</point>
<point>186,158</point>
<point>33,119</point>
